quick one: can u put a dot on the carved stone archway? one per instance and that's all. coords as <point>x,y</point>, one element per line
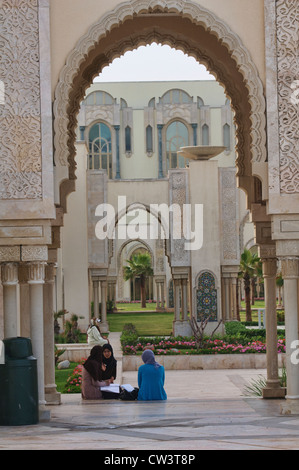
<point>180,24</point>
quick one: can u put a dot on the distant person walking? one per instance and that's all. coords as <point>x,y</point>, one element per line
<point>94,336</point>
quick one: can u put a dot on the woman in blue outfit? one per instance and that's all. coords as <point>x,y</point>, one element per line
<point>151,377</point>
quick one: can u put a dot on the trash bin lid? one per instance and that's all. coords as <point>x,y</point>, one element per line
<point>18,347</point>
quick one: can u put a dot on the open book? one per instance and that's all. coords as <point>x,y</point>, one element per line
<point>114,388</point>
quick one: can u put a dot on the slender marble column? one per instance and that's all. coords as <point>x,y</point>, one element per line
<point>194,127</point>
<point>51,395</point>
<point>184,300</point>
<point>103,301</point>
<point>95,285</point>
<point>272,389</point>
<point>290,274</point>
<point>176,285</point>
<point>10,304</point>
<point>158,298</point>
<point>24,301</point>
<point>117,175</point>
<point>36,279</point>
<point>162,295</point>
<point>160,127</point>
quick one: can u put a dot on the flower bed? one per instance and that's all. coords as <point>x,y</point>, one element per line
<point>74,381</point>
<point>216,346</point>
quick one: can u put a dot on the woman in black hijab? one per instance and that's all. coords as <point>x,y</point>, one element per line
<point>109,361</point>
<point>93,375</point>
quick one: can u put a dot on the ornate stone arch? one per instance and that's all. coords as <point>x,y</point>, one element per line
<point>108,38</point>
<point>133,206</point>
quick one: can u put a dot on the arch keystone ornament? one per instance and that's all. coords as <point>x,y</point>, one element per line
<point>108,38</point>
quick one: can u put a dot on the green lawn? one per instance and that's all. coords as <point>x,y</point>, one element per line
<point>62,375</point>
<point>146,323</point>
<point>133,307</point>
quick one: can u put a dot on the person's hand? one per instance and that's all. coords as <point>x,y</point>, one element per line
<point>103,367</point>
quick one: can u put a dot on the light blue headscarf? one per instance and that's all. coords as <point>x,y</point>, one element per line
<point>148,357</point>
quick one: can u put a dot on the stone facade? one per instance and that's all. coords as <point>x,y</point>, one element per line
<point>252,53</point>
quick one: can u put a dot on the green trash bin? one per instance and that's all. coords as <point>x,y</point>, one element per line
<point>18,384</point>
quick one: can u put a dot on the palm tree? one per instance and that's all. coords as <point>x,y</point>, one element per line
<point>139,266</point>
<point>248,268</point>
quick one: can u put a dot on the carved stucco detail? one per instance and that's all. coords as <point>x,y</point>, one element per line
<point>178,195</point>
<point>229,222</point>
<point>198,15</point>
<point>287,19</point>
<point>20,121</point>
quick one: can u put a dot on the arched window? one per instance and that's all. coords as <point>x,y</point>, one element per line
<point>226,136</point>
<point>176,96</point>
<point>128,141</point>
<point>177,136</point>
<point>98,98</point>
<point>205,134</point>
<point>100,151</point>
<point>149,139</point>
<point>206,297</point>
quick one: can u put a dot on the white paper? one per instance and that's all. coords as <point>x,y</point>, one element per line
<point>128,387</point>
<point>114,388</point>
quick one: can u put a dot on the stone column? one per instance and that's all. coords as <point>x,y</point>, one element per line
<point>184,300</point>
<point>117,175</point>
<point>160,127</point>
<point>24,301</point>
<point>158,298</point>
<point>227,298</point>
<point>272,389</point>
<point>234,297</point>
<point>95,285</point>
<point>51,395</point>
<point>10,305</point>
<point>176,296</point>
<point>194,127</point>
<point>162,295</point>
<point>290,273</point>
<point>104,323</point>
<point>36,279</point>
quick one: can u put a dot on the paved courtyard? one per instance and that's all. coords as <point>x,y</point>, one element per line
<point>205,409</point>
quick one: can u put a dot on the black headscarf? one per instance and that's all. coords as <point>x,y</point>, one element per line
<point>110,363</point>
<point>93,364</point>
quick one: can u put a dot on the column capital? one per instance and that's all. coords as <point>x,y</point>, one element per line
<point>269,267</point>
<point>36,272</point>
<point>10,274</point>
<point>267,251</point>
<point>50,272</point>
<point>290,267</point>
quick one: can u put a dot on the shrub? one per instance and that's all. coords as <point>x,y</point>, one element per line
<point>129,335</point>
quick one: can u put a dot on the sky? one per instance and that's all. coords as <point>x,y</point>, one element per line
<point>153,62</point>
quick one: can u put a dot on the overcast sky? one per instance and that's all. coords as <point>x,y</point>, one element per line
<point>153,63</point>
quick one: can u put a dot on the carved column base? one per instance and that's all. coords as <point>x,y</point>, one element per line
<point>52,397</point>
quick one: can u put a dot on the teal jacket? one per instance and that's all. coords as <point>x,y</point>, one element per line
<point>151,382</point>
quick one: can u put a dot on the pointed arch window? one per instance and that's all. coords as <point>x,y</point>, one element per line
<point>100,148</point>
<point>226,136</point>
<point>128,139</point>
<point>177,136</point>
<point>205,135</point>
<point>149,139</point>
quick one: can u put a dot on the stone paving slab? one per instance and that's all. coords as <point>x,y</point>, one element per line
<point>205,410</point>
